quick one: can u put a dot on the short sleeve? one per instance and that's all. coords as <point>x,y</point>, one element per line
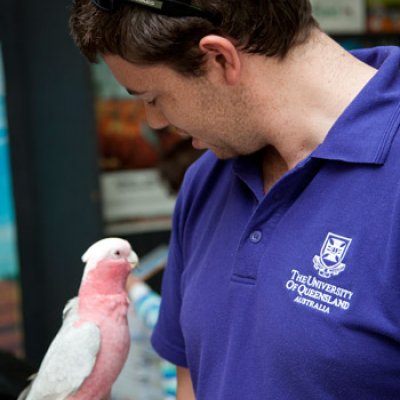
<point>167,338</point>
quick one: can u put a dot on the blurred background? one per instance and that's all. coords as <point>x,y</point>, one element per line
<point>78,161</point>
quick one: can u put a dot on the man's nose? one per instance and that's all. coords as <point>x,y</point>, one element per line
<point>155,118</point>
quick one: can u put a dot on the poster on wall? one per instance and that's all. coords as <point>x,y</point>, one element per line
<point>134,195</point>
<point>340,16</point>
<point>11,335</point>
<point>8,242</point>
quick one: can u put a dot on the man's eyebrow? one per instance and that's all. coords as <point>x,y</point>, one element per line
<point>134,92</point>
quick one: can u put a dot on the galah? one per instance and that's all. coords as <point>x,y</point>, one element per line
<point>92,345</point>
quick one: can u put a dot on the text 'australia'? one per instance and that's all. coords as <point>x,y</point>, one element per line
<point>317,294</point>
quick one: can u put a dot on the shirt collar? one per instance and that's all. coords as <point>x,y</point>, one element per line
<point>365,131</point>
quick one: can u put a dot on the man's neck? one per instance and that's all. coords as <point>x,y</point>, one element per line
<point>273,167</point>
<point>298,99</point>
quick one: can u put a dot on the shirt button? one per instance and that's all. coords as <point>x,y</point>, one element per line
<point>255,236</point>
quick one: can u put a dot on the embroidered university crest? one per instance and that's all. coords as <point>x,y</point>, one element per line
<point>329,261</point>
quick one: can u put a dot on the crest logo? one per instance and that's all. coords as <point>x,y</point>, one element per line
<point>329,262</point>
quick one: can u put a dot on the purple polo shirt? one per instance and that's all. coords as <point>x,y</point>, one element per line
<point>295,294</point>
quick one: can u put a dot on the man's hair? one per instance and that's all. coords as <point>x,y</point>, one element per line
<point>135,33</point>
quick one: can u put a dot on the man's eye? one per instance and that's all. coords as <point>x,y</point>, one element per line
<point>151,102</point>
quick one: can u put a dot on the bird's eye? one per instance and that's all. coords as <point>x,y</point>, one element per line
<point>116,253</point>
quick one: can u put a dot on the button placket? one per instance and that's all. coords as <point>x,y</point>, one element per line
<point>254,243</point>
<point>267,216</point>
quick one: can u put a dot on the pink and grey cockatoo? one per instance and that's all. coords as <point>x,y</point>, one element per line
<point>90,349</point>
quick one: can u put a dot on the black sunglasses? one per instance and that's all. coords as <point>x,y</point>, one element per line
<point>171,8</point>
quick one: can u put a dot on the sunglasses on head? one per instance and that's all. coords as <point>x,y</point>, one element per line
<point>171,8</point>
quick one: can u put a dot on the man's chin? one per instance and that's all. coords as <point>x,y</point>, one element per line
<point>198,144</point>
<point>221,153</point>
<point>224,154</point>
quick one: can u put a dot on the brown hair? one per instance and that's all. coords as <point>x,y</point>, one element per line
<point>135,33</point>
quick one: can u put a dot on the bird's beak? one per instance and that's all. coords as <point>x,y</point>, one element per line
<point>133,259</point>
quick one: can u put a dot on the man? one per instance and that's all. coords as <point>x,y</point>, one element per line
<point>283,275</point>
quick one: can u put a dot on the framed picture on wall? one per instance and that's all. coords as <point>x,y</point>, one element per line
<point>135,197</point>
<point>383,16</point>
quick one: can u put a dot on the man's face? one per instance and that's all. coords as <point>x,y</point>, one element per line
<point>212,113</point>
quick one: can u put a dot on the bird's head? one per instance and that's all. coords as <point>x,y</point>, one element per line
<point>108,260</point>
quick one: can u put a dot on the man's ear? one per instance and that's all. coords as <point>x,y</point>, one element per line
<point>221,53</point>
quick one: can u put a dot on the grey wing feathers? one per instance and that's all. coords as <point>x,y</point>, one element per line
<point>24,394</point>
<point>71,309</point>
<point>68,361</point>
